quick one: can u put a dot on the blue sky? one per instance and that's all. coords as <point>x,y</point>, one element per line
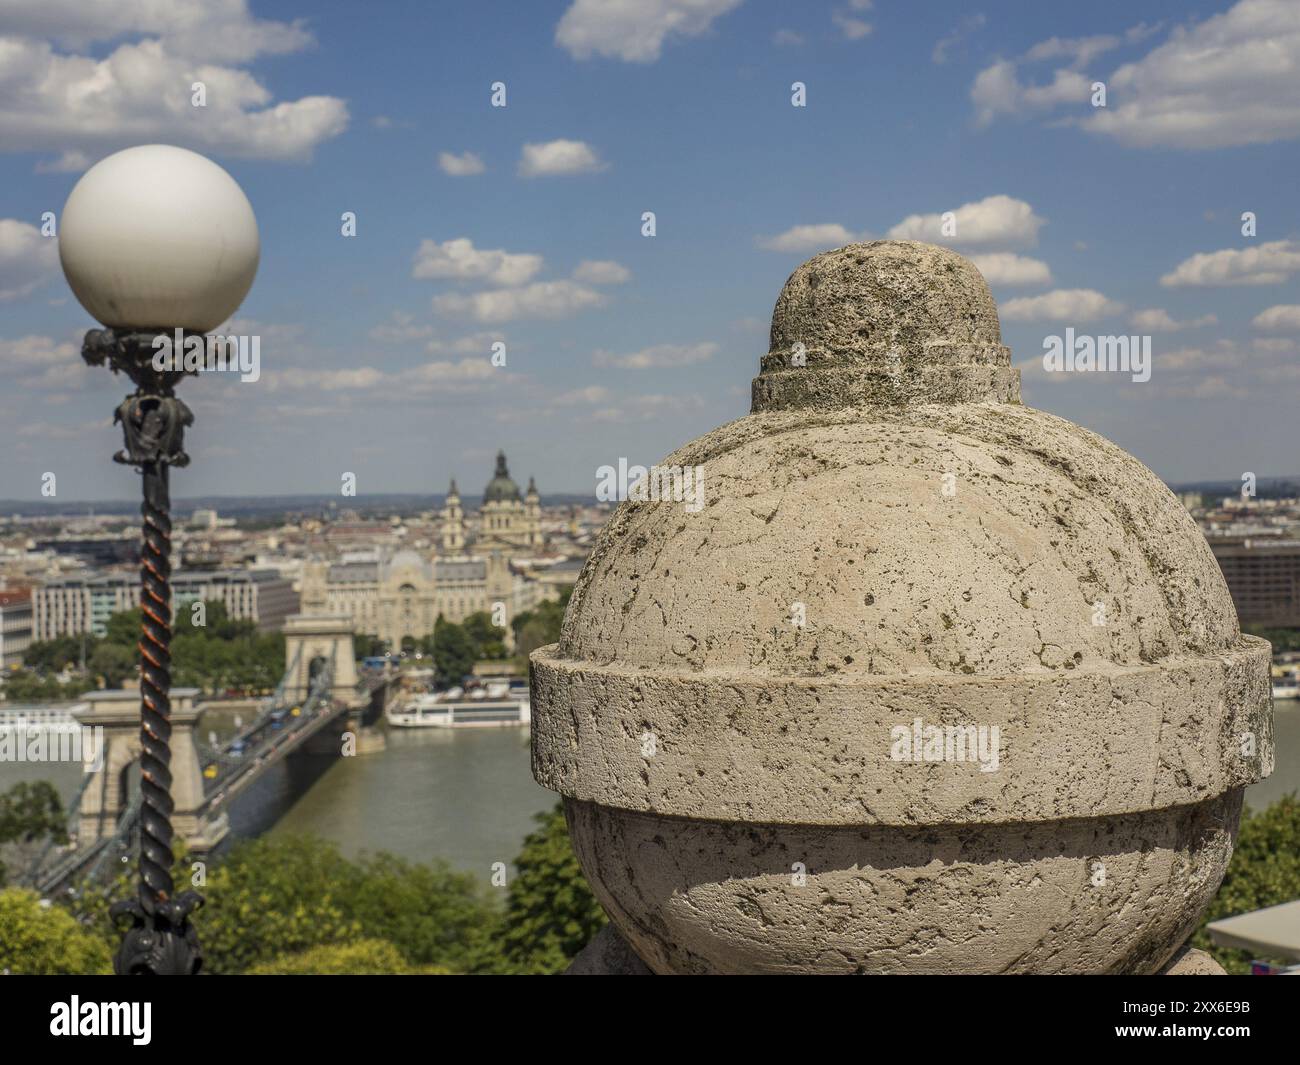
<point>376,348</point>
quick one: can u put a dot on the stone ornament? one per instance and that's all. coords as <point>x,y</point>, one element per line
<point>933,682</point>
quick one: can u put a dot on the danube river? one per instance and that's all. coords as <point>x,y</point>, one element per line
<point>463,795</point>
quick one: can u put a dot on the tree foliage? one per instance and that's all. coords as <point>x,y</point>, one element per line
<point>30,813</point>
<point>364,957</point>
<point>38,939</point>
<point>551,913</point>
<point>222,653</point>
<point>1282,639</point>
<point>1264,871</point>
<point>537,627</point>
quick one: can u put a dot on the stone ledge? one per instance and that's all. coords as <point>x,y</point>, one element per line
<point>780,750</point>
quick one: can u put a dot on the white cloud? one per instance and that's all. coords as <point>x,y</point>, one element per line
<point>401,328</point>
<point>459,260</point>
<point>808,238</point>
<point>658,356</point>
<point>1229,80</point>
<point>1193,358</point>
<point>559,157</point>
<point>1062,304</point>
<point>1158,320</point>
<point>1264,264</point>
<point>601,272</point>
<point>82,107</point>
<point>590,394</point>
<point>991,222</point>
<point>854,29</point>
<point>1284,318</point>
<point>967,26</point>
<point>1222,82</point>
<point>37,353</point>
<point>473,344</point>
<point>634,30</point>
<point>465,375</point>
<point>221,30</point>
<point>27,259</point>
<point>998,91</point>
<point>1007,268</point>
<point>467,164</point>
<point>542,299</point>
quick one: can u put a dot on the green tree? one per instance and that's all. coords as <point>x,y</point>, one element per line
<point>366,645</point>
<point>277,897</point>
<point>1264,871</point>
<point>26,687</point>
<point>365,957</point>
<point>1282,639</point>
<point>486,638</point>
<point>114,663</point>
<point>42,940</point>
<point>454,653</point>
<point>30,814</point>
<point>123,628</point>
<point>272,897</point>
<point>53,656</point>
<point>551,913</point>
<point>436,915</point>
<point>537,627</point>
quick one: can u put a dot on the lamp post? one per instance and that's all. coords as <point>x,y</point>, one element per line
<point>156,242</point>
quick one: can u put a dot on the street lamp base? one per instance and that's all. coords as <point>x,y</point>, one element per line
<point>163,943</point>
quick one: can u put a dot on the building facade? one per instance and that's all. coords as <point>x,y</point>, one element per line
<point>1263,575</point>
<point>72,605</point>
<point>15,626</point>
<point>476,569</point>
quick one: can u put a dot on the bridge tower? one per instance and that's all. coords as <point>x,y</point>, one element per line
<point>310,639</point>
<point>314,640</point>
<point>105,799</point>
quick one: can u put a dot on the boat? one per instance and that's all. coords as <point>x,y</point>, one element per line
<point>1287,686</point>
<point>454,709</point>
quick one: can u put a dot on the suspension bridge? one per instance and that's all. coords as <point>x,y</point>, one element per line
<point>320,698</point>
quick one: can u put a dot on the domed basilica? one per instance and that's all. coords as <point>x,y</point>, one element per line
<point>479,566</point>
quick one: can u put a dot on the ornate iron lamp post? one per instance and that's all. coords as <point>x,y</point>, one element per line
<point>156,242</point>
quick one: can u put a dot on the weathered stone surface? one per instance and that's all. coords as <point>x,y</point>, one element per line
<point>722,897</point>
<point>750,747</point>
<point>705,743</point>
<point>1192,962</point>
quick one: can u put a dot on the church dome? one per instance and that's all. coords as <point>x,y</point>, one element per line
<point>501,489</point>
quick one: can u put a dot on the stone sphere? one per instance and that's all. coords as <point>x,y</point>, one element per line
<point>159,237</point>
<point>742,706</point>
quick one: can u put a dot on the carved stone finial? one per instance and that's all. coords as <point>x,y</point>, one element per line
<point>931,682</point>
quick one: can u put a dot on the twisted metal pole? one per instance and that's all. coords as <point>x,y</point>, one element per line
<point>160,940</point>
<point>155,686</point>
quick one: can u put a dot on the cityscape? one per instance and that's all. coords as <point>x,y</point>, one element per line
<point>649,487</point>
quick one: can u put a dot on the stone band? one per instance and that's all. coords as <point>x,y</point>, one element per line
<point>836,387</point>
<point>817,751</point>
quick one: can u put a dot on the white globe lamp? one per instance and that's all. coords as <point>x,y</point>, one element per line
<point>158,237</point>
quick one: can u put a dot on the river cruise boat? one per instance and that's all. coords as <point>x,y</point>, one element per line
<point>496,705</point>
